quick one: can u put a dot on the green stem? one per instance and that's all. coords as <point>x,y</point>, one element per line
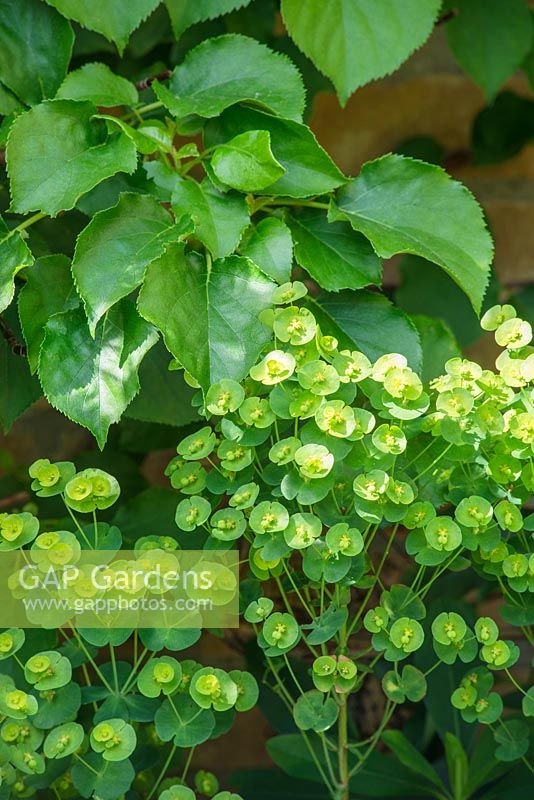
<point>114,667</point>
<point>291,202</point>
<point>95,526</point>
<point>91,659</point>
<point>86,765</point>
<point>433,463</point>
<point>162,772</point>
<point>300,597</point>
<point>86,540</point>
<point>515,683</point>
<point>187,764</point>
<point>373,586</point>
<point>342,751</point>
<point>374,740</point>
<point>143,110</point>
<point>26,223</point>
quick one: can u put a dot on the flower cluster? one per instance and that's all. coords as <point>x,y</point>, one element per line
<point>77,725</point>
<point>325,468</point>
<point>322,462</point>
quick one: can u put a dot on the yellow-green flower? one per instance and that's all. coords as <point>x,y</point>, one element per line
<point>314,460</point>
<point>407,634</point>
<point>513,334</point>
<point>274,368</point>
<point>294,325</point>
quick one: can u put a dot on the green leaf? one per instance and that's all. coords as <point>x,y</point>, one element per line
<point>18,388</point>
<point>411,685</point>
<point>152,509</point>
<point>355,41</point>
<point>380,777</point>
<point>457,764</point>
<point>48,290</point>
<point>208,317</point>
<point>407,206</point>
<point>500,131</point>
<point>58,706</point>
<point>270,247</point>
<point>246,162</point>
<point>14,256</point>
<point>92,381</point>
<point>231,69</point>
<point>512,738</point>
<point>426,289</point>
<point>490,39</point>
<point>411,757</point>
<point>114,250</point>
<point>185,723</point>
<point>527,704</point>
<point>157,639</point>
<point>115,21</point>
<point>8,105</point>
<point>368,322</point>
<point>528,63</point>
<point>164,396</point>
<point>97,83</point>
<point>438,344</point>
<point>265,784</point>
<point>315,711</point>
<point>309,169</point>
<point>219,218</point>
<point>35,49</point>
<point>184,13</point>
<point>335,255</point>
<point>56,153</point>
<point>326,625</point>
<point>105,779</point>
<point>148,137</point>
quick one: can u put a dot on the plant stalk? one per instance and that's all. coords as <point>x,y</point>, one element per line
<point>343,752</point>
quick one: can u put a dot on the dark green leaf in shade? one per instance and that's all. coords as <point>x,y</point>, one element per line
<point>368,322</point>
<point>164,396</point>
<point>184,13</point>
<point>35,49</point>
<point>438,345</point>
<point>410,756</point>
<point>335,255</point>
<point>426,289</point>
<point>501,130</point>
<point>18,388</point>
<point>490,39</point>
<point>48,290</point>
